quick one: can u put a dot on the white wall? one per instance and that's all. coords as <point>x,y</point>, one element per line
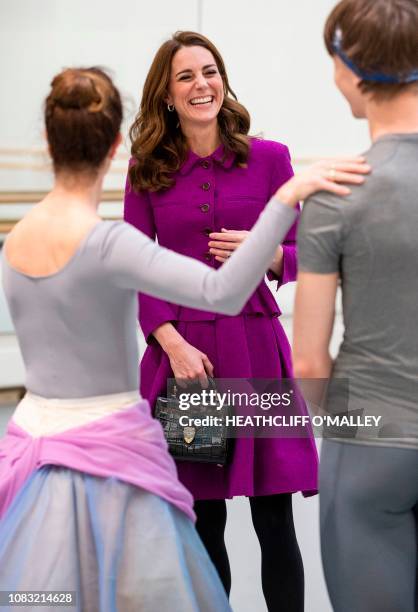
<point>281,71</point>
<point>273,49</point>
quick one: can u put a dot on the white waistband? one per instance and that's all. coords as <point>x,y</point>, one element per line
<point>41,416</point>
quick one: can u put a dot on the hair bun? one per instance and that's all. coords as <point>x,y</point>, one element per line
<point>83,113</point>
<point>74,90</point>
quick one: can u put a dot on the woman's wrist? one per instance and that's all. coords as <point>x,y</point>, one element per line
<point>168,337</point>
<point>276,265</point>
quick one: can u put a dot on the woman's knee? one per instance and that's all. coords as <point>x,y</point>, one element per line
<point>272,513</point>
<point>210,518</point>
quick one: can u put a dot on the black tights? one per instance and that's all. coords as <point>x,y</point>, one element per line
<point>281,562</point>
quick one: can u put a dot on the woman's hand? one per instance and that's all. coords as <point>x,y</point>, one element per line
<point>187,362</point>
<point>324,175</point>
<point>222,244</point>
<point>189,365</point>
<point>225,242</point>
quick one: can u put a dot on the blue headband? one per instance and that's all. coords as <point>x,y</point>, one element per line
<point>376,77</point>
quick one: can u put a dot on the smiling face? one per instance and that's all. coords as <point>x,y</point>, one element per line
<point>348,84</point>
<point>196,88</point>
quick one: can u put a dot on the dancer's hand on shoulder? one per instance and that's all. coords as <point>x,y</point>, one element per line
<point>325,175</point>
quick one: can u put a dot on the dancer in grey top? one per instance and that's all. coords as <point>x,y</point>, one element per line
<point>91,350</point>
<point>373,245</point>
<point>369,476</point>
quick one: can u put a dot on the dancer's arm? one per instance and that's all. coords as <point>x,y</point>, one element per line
<point>321,243</point>
<point>313,323</point>
<point>136,262</point>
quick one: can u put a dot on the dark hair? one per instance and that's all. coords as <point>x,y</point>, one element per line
<point>83,114</point>
<point>158,146</point>
<point>378,36</point>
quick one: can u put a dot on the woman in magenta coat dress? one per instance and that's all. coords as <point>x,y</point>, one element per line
<point>197,183</point>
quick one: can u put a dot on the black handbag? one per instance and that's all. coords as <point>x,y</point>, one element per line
<point>201,435</point>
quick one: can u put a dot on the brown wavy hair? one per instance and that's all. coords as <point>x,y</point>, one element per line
<point>378,35</point>
<point>83,114</point>
<point>159,147</point>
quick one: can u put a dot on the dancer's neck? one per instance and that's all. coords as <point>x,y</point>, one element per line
<point>396,116</point>
<point>79,192</point>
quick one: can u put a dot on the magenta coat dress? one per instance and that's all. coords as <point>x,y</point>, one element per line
<point>208,194</point>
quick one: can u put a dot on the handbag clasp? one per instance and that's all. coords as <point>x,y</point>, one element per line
<point>189,434</point>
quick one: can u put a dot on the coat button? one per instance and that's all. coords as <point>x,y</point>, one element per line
<point>204,207</point>
<point>205,164</point>
<point>206,186</point>
<point>207,231</point>
<point>208,256</point>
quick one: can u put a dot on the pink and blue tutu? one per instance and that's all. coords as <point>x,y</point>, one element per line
<point>96,508</point>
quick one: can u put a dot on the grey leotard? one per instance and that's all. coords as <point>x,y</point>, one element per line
<point>371,239</point>
<point>76,328</point>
